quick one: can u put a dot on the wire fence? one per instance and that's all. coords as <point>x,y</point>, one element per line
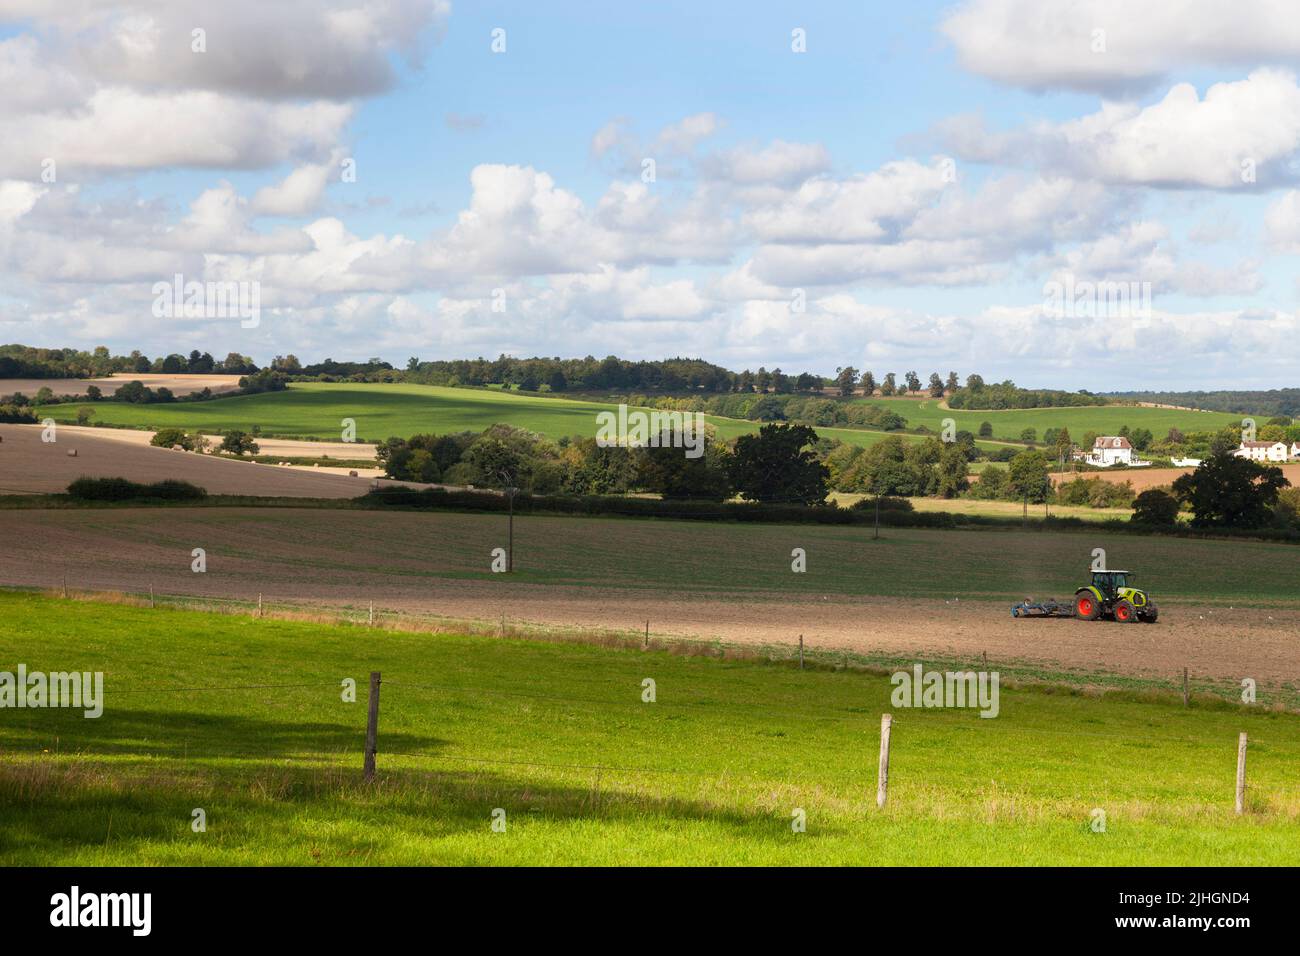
<point>917,725</point>
<point>1286,693</point>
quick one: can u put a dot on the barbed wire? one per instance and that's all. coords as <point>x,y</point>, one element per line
<point>947,722</point>
<point>604,702</point>
<point>165,688</point>
<point>673,771</point>
<point>933,718</point>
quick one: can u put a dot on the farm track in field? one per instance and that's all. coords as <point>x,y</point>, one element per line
<point>1227,607</point>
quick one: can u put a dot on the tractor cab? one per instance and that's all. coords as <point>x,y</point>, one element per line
<point>1110,583</point>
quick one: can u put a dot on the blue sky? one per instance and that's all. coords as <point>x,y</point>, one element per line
<point>916,180</point>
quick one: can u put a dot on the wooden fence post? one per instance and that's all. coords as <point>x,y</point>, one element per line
<point>151,602</point>
<point>371,620</point>
<point>259,603</point>
<point>372,726</point>
<point>645,646</point>
<point>882,778</point>
<point>1241,773</point>
<point>65,584</point>
<point>1185,696</point>
<point>800,652</point>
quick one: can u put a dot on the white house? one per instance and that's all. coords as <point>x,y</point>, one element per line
<point>1110,450</point>
<point>1264,450</point>
<point>1295,449</point>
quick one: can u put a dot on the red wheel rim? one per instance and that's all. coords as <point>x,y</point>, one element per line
<point>1085,606</point>
<point>1122,613</point>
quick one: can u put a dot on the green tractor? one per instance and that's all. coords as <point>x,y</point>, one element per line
<point>1111,594</point>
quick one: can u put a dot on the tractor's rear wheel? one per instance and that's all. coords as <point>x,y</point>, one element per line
<point>1126,613</point>
<point>1086,607</point>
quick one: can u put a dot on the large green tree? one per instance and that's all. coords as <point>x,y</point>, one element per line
<point>1155,507</point>
<point>777,465</point>
<point>667,471</point>
<point>1233,492</point>
<point>952,471</point>
<point>1027,476</point>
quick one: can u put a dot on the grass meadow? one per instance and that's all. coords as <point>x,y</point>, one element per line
<point>557,736</point>
<point>1103,419</point>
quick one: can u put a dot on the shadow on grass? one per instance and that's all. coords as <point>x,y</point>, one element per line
<point>140,811</point>
<point>158,733</point>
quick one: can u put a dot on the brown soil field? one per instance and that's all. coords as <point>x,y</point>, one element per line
<point>687,579</point>
<point>30,466</point>
<point>1144,478</point>
<point>179,384</point>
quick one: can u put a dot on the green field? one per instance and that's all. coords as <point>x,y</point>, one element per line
<point>317,410</point>
<point>556,735</point>
<point>1103,419</point>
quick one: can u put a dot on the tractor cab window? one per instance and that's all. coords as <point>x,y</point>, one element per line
<point>1110,581</point>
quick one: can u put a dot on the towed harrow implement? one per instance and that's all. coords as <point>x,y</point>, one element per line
<point>1047,608</point>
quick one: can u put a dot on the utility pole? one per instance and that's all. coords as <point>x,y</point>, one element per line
<point>510,533</point>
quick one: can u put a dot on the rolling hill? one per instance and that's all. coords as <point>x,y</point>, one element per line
<point>317,410</point>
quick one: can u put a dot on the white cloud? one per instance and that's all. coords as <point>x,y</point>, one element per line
<point>301,49</point>
<point>1045,44</point>
<point>16,200</point>
<point>122,130</point>
<point>1142,252</point>
<point>299,193</point>
<point>779,163</point>
<point>861,208</point>
<point>104,88</point>
<point>1239,136</point>
<point>1282,223</point>
<point>904,225</point>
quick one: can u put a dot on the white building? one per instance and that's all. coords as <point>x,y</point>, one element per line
<point>1264,450</point>
<point>1110,450</point>
<point>1186,462</point>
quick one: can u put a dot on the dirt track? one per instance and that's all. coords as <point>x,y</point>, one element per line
<point>436,564</point>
